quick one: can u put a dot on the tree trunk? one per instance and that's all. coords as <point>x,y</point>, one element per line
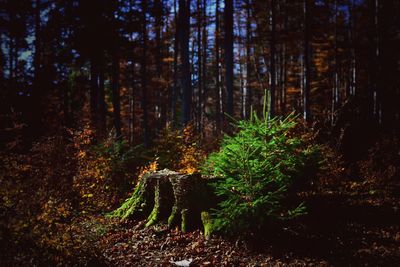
<point>199,67</point>
<point>388,60</point>
<point>249,65</point>
<point>175,88</point>
<point>180,199</point>
<point>204,63</point>
<point>145,127</point>
<point>158,5</point>
<point>352,37</point>
<point>37,90</point>
<point>94,89</point>
<point>241,72</point>
<point>132,104</point>
<point>185,79</point>
<point>116,95</point>
<point>283,80</point>
<point>372,61</point>
<point>102,101</point>
<point>2,60</point>
<point>335,88</point>
<point>37,55</point>
<point>228,18</point>
<point>218,106</point>
<point>12,41</point>
<point>307,69</point>
<point>272,60</point>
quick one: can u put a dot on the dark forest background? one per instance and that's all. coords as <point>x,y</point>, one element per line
<point>94,95</point>
<point>138,66</point>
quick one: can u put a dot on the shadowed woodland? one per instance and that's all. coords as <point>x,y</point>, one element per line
<point>199,133</point>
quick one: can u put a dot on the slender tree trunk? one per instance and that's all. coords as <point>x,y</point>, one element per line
<point>37,55</point>
<point>132,104</point>
<point>184,17</point>
<point>249,69</point>
<point>199,66</point>
<point>132,96</point>
<point>218,106</point>
<point>229,55</point>
<point>283,62</point>
<point>10,59</point>
<point>175,88</point>
<point>335,88</point>
<point>2,60</point>
<point>242,103</point>
<point>145,126</point>
<point>101,102</point>
<point>378,66</point>
<point>158,5</point>
<point>272,60</point>
<point>12,44</point>
<point>15,58</point>
<point>36,88</point>
<point>94,89</point>
<point>116,95</point>
<point>242,92</point>
<point>204,62</point>
<point>389,58</point>
<point>66,88</point>
<point>353,62</point>
<point>371,87</point>
<point>307,69</point>
<point>283,81</point>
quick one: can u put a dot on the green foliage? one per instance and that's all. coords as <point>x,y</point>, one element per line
<point>257,166</point>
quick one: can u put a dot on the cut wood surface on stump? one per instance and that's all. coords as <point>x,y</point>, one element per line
<point>180,199</point>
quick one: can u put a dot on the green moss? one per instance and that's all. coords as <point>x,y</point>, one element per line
<point>172,219</point>
<point>184,222</point>
<point>163,192</point>
<point>154,215</point>
<point>135,203</point>
<point>207,223</point>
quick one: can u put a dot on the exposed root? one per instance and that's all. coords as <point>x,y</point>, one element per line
<point>181,199</point>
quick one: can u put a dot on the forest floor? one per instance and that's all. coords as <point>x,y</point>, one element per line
<point>346,228</point>
<point>352,223</point>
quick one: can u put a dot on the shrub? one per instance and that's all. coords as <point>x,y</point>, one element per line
<point>179,150</point>
<point>256,168</point>
<point>104,171</point>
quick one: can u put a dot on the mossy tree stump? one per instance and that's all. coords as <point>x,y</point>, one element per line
<point>180,199</point>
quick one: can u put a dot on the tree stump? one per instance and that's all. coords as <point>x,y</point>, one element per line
<point>181,199</point>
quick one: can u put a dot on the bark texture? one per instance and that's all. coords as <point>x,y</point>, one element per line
<point>181,199</point>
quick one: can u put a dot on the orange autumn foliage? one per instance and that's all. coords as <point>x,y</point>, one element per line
<point>179,150</point>
<point>101,171</point>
